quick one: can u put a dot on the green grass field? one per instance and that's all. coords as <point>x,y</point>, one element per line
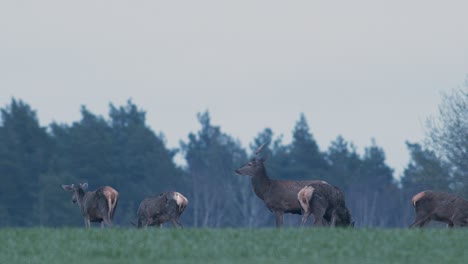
<point>291,245</point>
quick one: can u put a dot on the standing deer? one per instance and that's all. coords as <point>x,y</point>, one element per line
<point>280,196</point>
<point>154,211</point>
<point>97,206</point>
<point>326,203</point>
<point>440,206</point>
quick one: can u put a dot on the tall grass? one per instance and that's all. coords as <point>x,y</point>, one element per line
<point>290,245</point>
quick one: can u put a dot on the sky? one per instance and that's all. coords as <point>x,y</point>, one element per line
<point>361,69</point>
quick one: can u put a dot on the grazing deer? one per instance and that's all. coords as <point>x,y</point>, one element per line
<point>326,203</point>
<point>160,209</point>
<point>440,206</point>
<point>280,196</point>
<point>97,206</point>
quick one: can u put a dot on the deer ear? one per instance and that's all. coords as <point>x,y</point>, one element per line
<point>67,188</point>
<point>84,186</point>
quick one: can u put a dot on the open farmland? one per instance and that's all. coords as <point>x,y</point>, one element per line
<point>290,245</point>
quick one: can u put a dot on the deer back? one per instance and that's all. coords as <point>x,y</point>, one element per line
<point>328,195</point>
<point>282,195</point>
<point>97,204</point>
<point>431,201</point>
<point>152,205</point>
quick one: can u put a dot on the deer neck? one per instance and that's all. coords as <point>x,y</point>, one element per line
<point>81,198</point>
<point>261,183</point>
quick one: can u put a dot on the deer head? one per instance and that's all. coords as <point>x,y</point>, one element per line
<point>76,190</point>
<point>254,166</point>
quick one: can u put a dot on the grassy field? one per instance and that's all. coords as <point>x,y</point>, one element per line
<point>293,245</point>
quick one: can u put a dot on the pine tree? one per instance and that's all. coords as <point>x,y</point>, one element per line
<point>369,193</point>
<point>345,163</point>
<point>306,160</point>
<point>24,154</point>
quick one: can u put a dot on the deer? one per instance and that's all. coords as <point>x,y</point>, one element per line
<point>440,206</point>
<point>279,196</point>
<point>156,210</point>
<point>327,204</point>
<point>96,206</point>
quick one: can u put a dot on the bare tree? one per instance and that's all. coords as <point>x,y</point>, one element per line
<point>211,158</point>
<point>250,210</point>
<point>448,135</point>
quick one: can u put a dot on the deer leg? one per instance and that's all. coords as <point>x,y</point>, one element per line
<point>109,210</point>
<point>106,221</point>
<point>462,222</point>
<point>305,208</point>
<point>175,223</point>
<point>109,219</point>
<point>330,216</point>
<point>305,212</point>
<point>456,221</point>
<point>318,217</point>
<point>422,217</point>
<point>279,218</point>
<point>305,217</point>
<point>87,222</point>
<point>319,207</point>
<point>421,221</point>
<point>102,224</point>
<point>333,219</point>
<point>149,222</point>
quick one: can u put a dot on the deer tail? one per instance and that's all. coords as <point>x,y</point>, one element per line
<point>304,196</point>
<point>112,199</point>
<point>114,205</point>
<point>417,197</point>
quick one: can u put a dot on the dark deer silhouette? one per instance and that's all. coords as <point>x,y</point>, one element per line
<point>154,211</point>
<point>326,203</point>
<point>280,196</point>
<point>97,206</point>
<point>440,206</point>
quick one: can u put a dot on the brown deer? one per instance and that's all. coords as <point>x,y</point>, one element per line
<point>440,206</point>
<point>326,203</point>
<point>154,211</point>
<point>280,196</point>
<point>97,206</point>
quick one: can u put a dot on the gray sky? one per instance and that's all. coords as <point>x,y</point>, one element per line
<point>363,69</point>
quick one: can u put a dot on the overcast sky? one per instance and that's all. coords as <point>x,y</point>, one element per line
<point>363,69</point>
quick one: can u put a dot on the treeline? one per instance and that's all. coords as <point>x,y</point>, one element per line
<point>122,151</point>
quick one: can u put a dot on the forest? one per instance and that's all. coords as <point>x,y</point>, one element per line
<point>120,150</point>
